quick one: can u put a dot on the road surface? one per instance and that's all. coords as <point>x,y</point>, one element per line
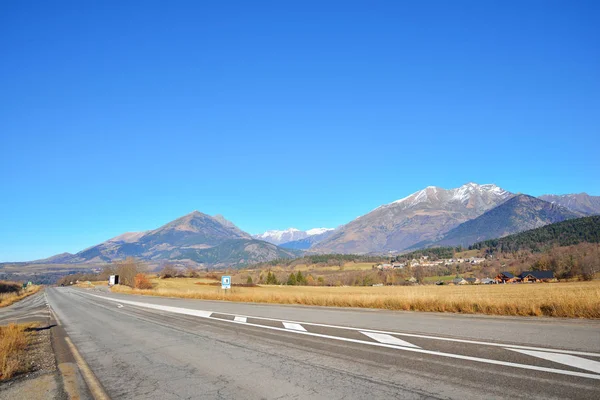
<point>163,348</point>
<point>33,308</point>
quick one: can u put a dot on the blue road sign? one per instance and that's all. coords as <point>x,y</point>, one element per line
<point>225,282</point>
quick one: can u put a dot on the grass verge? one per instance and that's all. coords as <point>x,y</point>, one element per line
<point>6,299</point>
<point>568,300</point>
<point>14,339</point>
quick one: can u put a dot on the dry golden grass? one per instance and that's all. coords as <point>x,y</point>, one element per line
<point>570,300</point>
<point>13,342</point>
<point>90,284</point>
<point>6,299</point>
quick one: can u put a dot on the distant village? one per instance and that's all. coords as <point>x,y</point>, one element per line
<point>500,278</point>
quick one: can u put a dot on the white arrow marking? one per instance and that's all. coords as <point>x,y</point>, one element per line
<point>294,327</point>
<point>577,362</point>
<point>388,339</point>
<point>240,319</point>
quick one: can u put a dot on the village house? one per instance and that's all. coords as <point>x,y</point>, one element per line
<point>472,281</point>
<point>487,281</point>
<point>506,277</point>
<point>537,276</point>
<point>459,281</point>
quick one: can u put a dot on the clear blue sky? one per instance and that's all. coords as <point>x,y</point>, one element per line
<point>121,116</point>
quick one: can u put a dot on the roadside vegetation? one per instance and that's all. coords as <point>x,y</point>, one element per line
<point>569,300</point>
<point>14,340</point>
<point>11,292</point>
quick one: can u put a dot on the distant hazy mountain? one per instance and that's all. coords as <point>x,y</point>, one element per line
<point>290,235</point>
<point>518,214</point>
<point>57,259</point>
<point>196,237</point>
<point>580,202</point>
<point>310,241</point>
<point>424,215</point>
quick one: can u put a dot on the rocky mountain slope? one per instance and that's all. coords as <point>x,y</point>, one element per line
<point>518,214</point>
<point>580,202</point>
<point>423,216</point>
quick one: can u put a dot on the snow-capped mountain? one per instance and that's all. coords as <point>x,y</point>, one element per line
<point>470,195</point>
<point>289,235</point>
<point>422,216</point>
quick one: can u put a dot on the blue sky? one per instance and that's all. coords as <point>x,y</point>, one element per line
<point>121,116</point>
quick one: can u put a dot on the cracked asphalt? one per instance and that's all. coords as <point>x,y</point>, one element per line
<point>141,353</point>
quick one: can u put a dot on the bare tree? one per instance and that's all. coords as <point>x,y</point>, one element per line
<point>127,270</point>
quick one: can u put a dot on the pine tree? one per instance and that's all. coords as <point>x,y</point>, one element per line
<point>300,279</point>
<point>292,280</point>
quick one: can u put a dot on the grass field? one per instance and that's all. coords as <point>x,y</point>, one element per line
<point>6,299</point>
<point>13,343</point>
<point>571,299</point>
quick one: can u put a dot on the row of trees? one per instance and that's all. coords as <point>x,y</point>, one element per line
<point>131,271</point>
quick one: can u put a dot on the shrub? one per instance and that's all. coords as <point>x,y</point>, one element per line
<point>127,270</point>
<point>141,281</point>
<point>168,271</point>
<point>10,287</point>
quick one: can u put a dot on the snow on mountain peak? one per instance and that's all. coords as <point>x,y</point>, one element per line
<point>289,235</point>
<point>318,231</point>
<point>461,194</point>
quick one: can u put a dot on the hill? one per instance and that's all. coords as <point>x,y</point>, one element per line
<point>566,233</point>
<point>235,252</point>
<point>518,214</point>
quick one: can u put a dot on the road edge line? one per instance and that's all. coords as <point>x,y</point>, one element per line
<point>92,382</point>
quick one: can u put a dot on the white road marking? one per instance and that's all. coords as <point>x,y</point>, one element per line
<point>207,314</point>
<point>446,339</point>
<point>572,361</point>
<point>240,319</point>
<point>389,339</point>
<point>120,306</point>
<point>294,327</point>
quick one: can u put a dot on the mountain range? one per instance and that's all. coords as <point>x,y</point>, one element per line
<point>430,217</point>
<point>421,217</point>
<point>291,235</point>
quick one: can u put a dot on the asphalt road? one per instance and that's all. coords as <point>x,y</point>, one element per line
<point>163,348</point>
<point>31,309</point>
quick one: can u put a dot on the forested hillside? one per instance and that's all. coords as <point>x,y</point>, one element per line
<point>566,233</point>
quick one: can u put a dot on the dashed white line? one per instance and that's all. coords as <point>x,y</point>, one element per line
<point>293,326</point>
<point>240,319</point>
<point>389,339</point>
